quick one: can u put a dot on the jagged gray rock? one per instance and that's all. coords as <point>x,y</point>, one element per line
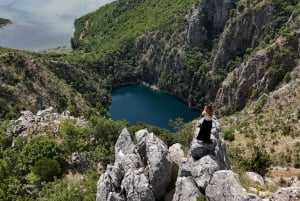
<point>149,171</point>
<point>45,122</point>
<point>143,173</point>
<point>201,170</point>
<point>286,194</point>
<point>157,161</point>
<point>19,126</point>
<point>104,187</point>
<point>137,187</point>
<point>225,186</point>
<point>207,20</point>
<point>124,143</point>
<point>186,189</point>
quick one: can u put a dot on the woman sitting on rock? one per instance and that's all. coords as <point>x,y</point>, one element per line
<point>205,127</point>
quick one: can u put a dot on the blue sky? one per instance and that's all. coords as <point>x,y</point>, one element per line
<point>42,24</point>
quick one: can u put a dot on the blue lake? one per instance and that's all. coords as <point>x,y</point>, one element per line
<point>138,103</point>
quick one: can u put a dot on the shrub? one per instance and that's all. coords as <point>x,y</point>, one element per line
<point>46,169</point>
<point>4,108</point>
<point>260,104</point>
<point>41,147</point>
<point>297,162</point>
<point>229,135</point>
<point>259,162</point>
<point>74,138</point>
<point>287,130</point>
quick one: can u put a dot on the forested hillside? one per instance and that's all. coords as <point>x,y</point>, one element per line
<point>190,47</point>
<point>29,81</point>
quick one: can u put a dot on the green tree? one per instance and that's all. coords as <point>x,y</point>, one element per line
<point>176,124</point>
<point>46,169</point>
<point>38,148</point>
<point>74,137</point>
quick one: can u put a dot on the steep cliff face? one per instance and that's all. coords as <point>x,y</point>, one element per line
<point>207,20</point>
<point>260,74</point>
<point>245,30</point>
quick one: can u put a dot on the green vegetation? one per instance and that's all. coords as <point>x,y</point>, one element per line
<point>46,169</point>
<point>259,161</point>
<point>114,26</point>
<point>4,22</point>
<point>40,168</point>
<point>201,198</point>
<point>229,135</point>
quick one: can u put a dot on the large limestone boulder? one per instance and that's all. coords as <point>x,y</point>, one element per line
<point>201,170</point>
<point>137,187</point>
<point>124,144</point>
<point>225,186</point>
<point>205,159</point>
<point>155,154</point>
<point>255,178</point>
<point>186,189</point>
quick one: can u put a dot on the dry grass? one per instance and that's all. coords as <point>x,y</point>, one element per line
<point>74,177</point>
<point>271,123</point>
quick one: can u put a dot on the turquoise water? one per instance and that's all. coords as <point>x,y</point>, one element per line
<point>138,103</point>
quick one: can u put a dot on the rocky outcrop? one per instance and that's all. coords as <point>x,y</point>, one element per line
<point>142,173</point>
<point>227,189</point>
<point>148,170</point>
<point>291,193</point>
<point>43,123</point>
<point>156,158</point>
<point>186,189</point>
